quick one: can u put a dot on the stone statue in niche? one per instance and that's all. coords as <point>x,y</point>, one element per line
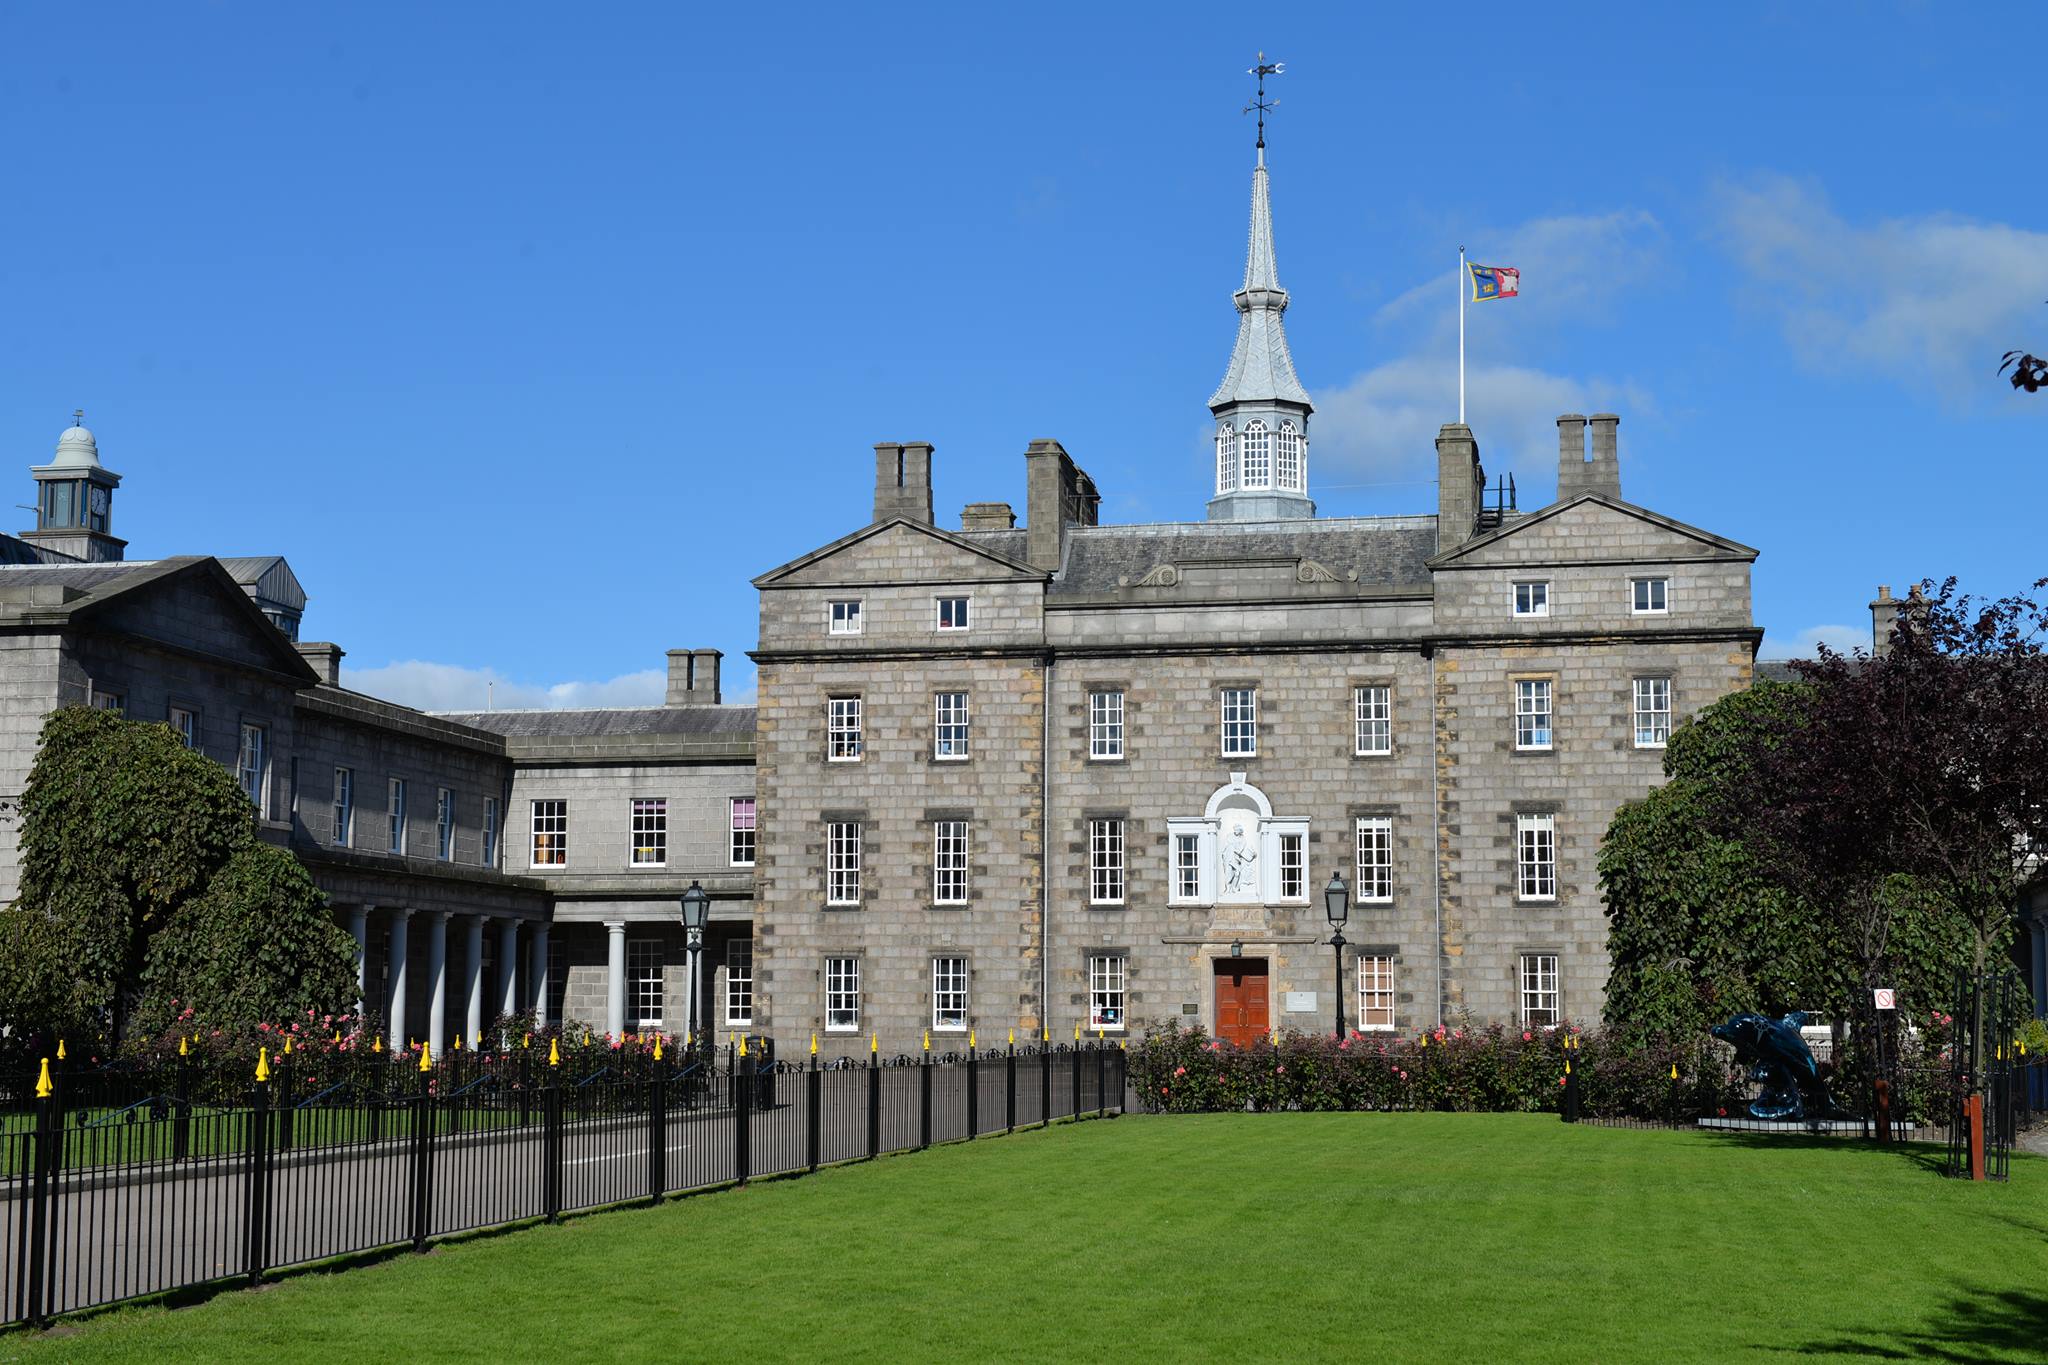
<point>1240,858</point>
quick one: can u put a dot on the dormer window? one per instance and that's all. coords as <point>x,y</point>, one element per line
<point>1258,455</point>
<point>1226,460</point>
<point>1291,460</point>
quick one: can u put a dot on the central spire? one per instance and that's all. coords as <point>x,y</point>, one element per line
<point>1261,409</point>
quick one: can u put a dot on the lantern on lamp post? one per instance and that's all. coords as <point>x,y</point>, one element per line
<point>1337,906</point>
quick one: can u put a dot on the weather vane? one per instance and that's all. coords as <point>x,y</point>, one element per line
<point>1259,101</point>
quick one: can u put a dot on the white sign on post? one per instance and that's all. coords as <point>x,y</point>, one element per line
<point>1885,998</point>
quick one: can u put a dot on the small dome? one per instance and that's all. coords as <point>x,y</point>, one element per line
<point>77,447</point>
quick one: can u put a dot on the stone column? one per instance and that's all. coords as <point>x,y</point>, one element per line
<point>508,965</point>
<point>394,1027</point>
<point>615,977</point>
<point>359,930</point>
<point>473,987</point>
<point>539,974</point>
<point>437,981</point>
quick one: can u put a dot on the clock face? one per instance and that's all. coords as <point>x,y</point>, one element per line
<point>97,500</point>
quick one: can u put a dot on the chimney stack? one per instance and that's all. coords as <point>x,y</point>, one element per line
<point>693,677</point>
<point>1460,483</point>
<point>988,516</point>
<point>1575,473</point>
<point>1057,494</point>
<point>325,658</point>
<point>903,481</point>
<point>1884,614</point>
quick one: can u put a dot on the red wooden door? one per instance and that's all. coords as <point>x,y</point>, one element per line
<point>1241,1000</point>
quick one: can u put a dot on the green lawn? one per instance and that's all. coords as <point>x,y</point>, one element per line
<point>1297,1236</point>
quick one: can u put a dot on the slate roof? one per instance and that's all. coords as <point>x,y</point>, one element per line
<point>609,721</point>
<point>1776,670</point>
<point>1009,544</point>
<point>1261,367</point>
<point>1387,553</point>
<point>85,577</point>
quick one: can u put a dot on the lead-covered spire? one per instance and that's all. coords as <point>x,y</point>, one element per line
<point>1261,367</point>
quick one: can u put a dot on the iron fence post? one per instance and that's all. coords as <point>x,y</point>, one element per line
<point>285,1112</point>
<point>657,1136</point>
<point>1101,1092</point>
<point>973,1094</point>
<point>525,1085</point>
<point>814,1119</point>
<point>42,1150</point>
<point>1044,1084</point>
<point>551,1147</point>
<point>1010,1090</point>
<point>924,1104</point>
<point>1074,1109</point>
<point>874,1106</point>
<point>422,1161</point>
<point>181,1110</point>
<point>744,1120</point>
<point>256,1198</point>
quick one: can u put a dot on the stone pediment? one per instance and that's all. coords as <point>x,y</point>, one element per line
<point>1590,528</point>
<point>899,551</point>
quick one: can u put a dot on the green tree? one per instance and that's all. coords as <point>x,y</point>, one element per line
<point>142,871</point>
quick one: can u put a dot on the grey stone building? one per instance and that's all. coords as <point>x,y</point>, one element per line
<point>450,846</point>
<point>1074,776</point>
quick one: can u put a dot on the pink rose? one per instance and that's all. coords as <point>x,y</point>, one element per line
<point>1180,1071</point>
<point>1528,1037</point>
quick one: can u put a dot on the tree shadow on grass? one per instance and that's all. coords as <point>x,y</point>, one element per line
<point>2007,1324</point>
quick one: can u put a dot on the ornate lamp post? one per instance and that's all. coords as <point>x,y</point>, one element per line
<point>1337,905</point>
<point>696,910</point>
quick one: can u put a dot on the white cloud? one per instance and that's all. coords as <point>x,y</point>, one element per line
<point>1932,301</point>
<point>1806,644</point>
<point>1383,422</point>
<point>451,687</point>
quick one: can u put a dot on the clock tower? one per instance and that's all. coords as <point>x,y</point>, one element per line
<point>75,500</point>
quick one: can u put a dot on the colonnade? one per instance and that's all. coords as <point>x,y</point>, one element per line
<point>470,982</point>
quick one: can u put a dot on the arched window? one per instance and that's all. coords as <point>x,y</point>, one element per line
<point>1258,455</point>
<point>1290,461</point>
<point>1226,461</point>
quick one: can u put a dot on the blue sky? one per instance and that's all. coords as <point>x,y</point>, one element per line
<point>531,333</point>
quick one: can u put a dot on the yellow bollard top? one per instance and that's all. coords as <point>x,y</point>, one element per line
<point>426,1058</point>
<point>60,1049</point>
<point>970,1040</point>
<point>527,1041</point>
<point>287,1046</point>
<point>262,1063</point>
<point>337,1037</point>
<point>554,1053</point>
<point>927,1040</point>
<point>814,1044</point>
<point>377,1043</point>
<point>184,1048</point>
<point>1674,1071</point>
<point>874,1043</point>
<point>44,1088</point>
<point>1013,1037</point>
<point>458,1042</point>
<point>1077,1030</point>
<point>657,1047</point>
<point>743,1045</point>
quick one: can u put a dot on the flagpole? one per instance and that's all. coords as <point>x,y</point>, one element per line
<point>1461,336</point>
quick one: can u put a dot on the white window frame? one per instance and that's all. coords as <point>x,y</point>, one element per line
<point>647,835</point>
<point>1376,993</point>
<point>1529,692</point>
<point>950,734</point>
<point>1536,858</point>
<point>1539,990</point>
<point>444,824</point>
<point>490,840</point>
<point>842,995</point>
<point>1257,458</point>
<point>188,731</point>
<point>252,766</point>
<point>1226,460</point>
<point>556,816</point>
<point>734,848</point>
<point>1293,866</point>
<point>1108,992</point>
<point>843,721</point>
<point>396,835</point>
<point>1106,861</point>
<point>1290,465</point>
<point>845,616</point>
<point>963,618</point>
<point>1530,598</point>
<point>1375,863</point>
<point>1372,712</point>
<point>646,982</point>
<point>950,976</point>
<point>949,862</point>
<point>342,833</point>
<point>1238,734</point>
<point>842,862</point>
<point>739,983</point>
<point>104,700</point>
<point>1106,726</point>
<point>1187,867</point>
<point>1651,721</point>
<point>1659,595</point>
